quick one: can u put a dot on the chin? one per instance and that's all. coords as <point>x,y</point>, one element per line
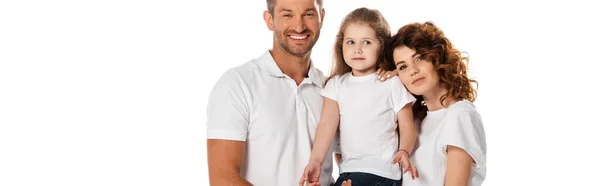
<point>416,91</point>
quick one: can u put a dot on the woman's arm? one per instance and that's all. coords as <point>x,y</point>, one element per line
<point>458,169</point>
<point>330,119</point>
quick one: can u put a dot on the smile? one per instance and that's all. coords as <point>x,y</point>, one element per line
<point>418,81</point>
<point>298,37</point>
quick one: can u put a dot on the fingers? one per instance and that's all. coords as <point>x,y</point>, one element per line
<point>303,178</point>
<point>405,165</point>
<point>396,158</point>
<point>347,183</point>
<point>414,172</point>
<point>383,75</point>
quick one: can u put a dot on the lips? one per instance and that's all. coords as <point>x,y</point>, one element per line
<point>418,81</point>
<point>358,58</point>
<point>298,37</point>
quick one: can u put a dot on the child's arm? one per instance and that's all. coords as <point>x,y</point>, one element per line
<point>326,129</point>
<point>330,119</point>
<point>408,136</point>
<point>406,125</point>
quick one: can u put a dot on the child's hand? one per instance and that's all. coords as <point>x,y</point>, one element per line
<point>402,158</point>
<point>311,174</point>
<point>383,75</point>
<point>347,183</point>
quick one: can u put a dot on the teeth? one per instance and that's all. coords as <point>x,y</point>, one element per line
<point>298,37</point>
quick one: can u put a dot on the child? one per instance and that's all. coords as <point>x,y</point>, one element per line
<point>452,146</point>
<point>365,109</point>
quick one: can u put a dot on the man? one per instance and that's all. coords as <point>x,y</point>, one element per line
<point>262,115</point>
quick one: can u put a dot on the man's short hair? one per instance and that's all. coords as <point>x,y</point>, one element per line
<point>271,5</point>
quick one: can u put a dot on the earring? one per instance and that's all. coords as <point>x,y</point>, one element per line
<point>423,103</point>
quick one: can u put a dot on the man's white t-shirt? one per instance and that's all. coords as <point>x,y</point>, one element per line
<point>257,103</point>
<point>368,122</point>
<point>458,125</point>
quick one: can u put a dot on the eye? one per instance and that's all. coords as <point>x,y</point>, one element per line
<point>350,42</point>
<point>366,42</point>
<point>403,67</point>
<point>310,15</point>
<point>418,59</point>
<point>287,15</point>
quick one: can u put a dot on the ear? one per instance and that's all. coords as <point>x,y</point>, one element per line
<point>268,19</point>
<point>322,16</point>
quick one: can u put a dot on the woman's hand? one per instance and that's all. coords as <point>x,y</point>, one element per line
<point>383,75</point>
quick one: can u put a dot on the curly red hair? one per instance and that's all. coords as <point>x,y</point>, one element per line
<point>430,42</point>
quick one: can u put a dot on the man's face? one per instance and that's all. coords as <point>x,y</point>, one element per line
<point>296,25</point>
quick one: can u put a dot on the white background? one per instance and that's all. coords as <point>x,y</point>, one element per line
<point>114,92</point>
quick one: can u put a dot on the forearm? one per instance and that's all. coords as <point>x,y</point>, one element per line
<point>224,162</point>
<point>408,137</point>
<point>408,132</point>
<point>232,180</point>
<point>323,140</point>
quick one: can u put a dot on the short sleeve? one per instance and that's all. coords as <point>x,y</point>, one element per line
<point>400,96</point>
<point>228,110</point>
<point>465,131</point>
<point>331,88</point>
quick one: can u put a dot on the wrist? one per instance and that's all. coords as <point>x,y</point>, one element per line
<point>314,160</point>
<point>405,151</point>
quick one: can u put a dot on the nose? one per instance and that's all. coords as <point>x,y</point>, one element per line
<point>298,25</point>
<point>358,49</point>
<point>414,71</point>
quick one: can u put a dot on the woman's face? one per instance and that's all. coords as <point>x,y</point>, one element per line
<point>418,75</point>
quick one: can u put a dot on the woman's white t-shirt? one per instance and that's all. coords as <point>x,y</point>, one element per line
<point>457,125</point>
<point>368,122</point>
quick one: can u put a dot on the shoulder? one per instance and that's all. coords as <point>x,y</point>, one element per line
<point>463,116</point>
<point>237,78</point>
<point>464,109</point>
<point>393,82</point>
<point>337,79</point>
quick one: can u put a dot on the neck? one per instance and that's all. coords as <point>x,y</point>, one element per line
<point>365,72</point>
<point>432,100</point>
<point>296,67</point>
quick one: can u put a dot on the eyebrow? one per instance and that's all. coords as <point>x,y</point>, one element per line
<point>307,10</point>
<point>361,38</point>
<point>400,62</point>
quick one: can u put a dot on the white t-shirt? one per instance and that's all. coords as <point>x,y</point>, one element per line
<point>368,122</point>
<point>458,125</point>
<point>259,104</point>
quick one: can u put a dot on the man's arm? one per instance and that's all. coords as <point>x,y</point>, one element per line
<point>227,124</point>
<point>224,161</point>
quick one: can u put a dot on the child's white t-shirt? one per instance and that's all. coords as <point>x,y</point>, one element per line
<point>458,125</point>
<point>368,123</point>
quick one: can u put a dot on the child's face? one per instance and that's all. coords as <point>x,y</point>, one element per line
<point>418,75</point>
<point>360,47</point>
